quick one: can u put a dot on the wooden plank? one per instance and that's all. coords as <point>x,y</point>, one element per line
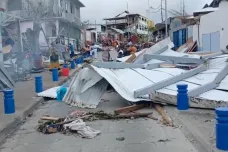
<point>49,118</point>
<point>131,59</point>
<point>161,111</point>
<point>129,109</point>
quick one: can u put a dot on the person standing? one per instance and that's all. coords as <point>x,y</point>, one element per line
<point>71,49</point>
<point>93,51</point>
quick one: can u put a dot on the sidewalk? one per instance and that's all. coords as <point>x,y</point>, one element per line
<point>25,101</point>
<point>198,125</point>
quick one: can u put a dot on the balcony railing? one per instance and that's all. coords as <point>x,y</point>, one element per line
<point>53,13</point>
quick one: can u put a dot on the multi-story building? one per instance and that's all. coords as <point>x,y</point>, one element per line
<point>129,23</point>
<point>62,18</point>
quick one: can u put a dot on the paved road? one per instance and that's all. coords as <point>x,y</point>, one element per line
<point>144,135</point>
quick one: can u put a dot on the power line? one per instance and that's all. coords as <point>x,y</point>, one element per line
<point>154,11</point>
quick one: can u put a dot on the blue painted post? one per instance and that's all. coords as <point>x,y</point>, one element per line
<point>9,104</point>
<point>72,65</point>
<point>65,65</point>
<point>182,97</point>
<point>55,75</point>
<point>222,128</point>
<point>38,84</point>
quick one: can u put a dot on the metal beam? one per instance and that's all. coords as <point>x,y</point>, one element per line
<point>117,65</point>
<point>209,86</point>
<point>169,81</point>
<point>205,57</point>
<point>163,49</point>
<point>153,66</point>
<point>173,59</point>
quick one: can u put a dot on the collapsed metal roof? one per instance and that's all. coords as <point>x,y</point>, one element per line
<point>146,79</point>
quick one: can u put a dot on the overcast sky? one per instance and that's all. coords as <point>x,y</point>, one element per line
<point>100,9</point>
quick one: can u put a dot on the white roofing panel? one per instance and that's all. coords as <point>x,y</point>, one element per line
<point>207,9</point>
<point>224,84</point>
<point>156,75</point>
<point>131,79</point>
<point>202,79</point>
<point>215,95</point>
<point>190,86</point>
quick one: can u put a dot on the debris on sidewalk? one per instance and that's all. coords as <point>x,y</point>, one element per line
<point>129,109</point>
<point>165,119</point>
<point>120,138</point>
<point>75,122</point>
<point>80,127</point>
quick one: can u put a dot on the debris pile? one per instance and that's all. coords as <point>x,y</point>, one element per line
<point>75,122</point>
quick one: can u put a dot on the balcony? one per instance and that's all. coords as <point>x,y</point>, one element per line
<point>123,21</point>
<point>51,14</point>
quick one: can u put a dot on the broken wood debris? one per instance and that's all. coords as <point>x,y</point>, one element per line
<point>49,124</point>
<point>165,119</point>
<point>129,109</point>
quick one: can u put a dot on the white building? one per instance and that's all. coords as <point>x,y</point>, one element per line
<point>211,32</point>
<point>63,19</point>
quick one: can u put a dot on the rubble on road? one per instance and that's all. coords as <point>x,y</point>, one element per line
<point>75,122</point>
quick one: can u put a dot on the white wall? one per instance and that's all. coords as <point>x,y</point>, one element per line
<point>29,24</point>
<point>88,36</point>
<point>214,22</point>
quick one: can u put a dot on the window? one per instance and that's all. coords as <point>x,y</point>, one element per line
<point>14,5</point>
<point>71,8</point>
<point>66,7</point>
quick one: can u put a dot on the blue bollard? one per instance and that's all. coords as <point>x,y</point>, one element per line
<point>55,75</point>
<point>65,65</point>
<point>222,128</point>
<point>182,97</point>
<point>9,104</point>
<point>38,84</point>
<point>72,65</point>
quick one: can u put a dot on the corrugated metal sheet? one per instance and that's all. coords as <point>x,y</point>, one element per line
<point>127,81</point>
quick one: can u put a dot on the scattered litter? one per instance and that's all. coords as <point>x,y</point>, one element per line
<point>75,122</point>
<point>164,140</point>
<point>80,127</point>
<point>209,121</point>
<point>120,138</point>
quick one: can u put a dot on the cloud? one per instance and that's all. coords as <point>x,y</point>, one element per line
<point>100,9</point>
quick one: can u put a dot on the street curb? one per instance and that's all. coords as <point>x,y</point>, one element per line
<point>21,118</point>
<point>188,130</point>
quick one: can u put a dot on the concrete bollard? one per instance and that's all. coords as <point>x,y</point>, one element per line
<point>182,97</point>
<point>55,75</point>
<point>222,128</point>
<point>38,84</point>
<point>72,65</point>
<point>9,104</point>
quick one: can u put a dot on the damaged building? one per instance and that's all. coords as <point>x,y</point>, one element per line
<point>62,18</point>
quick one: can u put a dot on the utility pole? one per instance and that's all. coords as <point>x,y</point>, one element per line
<point>128,34</point>
<point>3,7</point>
<point>166,19</point>
<point>161,11</point>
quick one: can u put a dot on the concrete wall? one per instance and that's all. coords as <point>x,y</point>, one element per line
<point>216,22</point>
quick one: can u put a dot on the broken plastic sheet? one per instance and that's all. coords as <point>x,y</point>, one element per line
<point>49,93</point>
<point>80,127</point>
